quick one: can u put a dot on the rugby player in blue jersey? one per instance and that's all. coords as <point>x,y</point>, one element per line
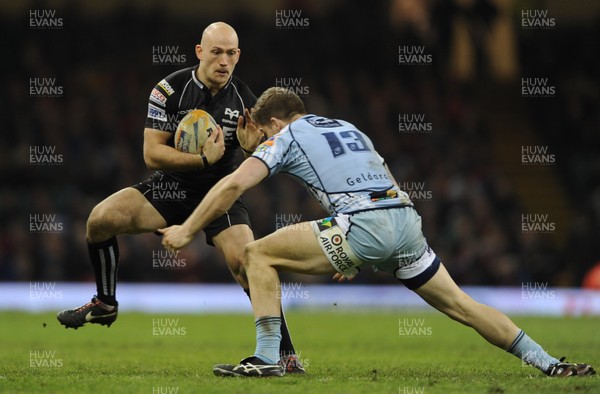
<point>372,222</point>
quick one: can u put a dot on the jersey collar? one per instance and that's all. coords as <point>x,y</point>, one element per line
<point>196,80</point>
<point>203,86</point>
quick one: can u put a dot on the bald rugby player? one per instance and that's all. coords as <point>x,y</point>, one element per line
<point>181,179</point>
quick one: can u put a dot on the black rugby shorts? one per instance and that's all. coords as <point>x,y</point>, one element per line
<point>176,201</point>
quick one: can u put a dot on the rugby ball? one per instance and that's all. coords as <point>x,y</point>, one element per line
<point>193,130</point>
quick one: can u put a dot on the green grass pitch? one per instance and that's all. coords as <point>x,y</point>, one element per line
<point>400,352</point>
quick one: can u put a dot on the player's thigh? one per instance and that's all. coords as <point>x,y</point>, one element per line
<point>292,248</point>
<point>127,211</point>
<point>232,240</point>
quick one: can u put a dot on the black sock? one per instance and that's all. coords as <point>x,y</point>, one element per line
<point>286,347</point>
<point>105,259</point>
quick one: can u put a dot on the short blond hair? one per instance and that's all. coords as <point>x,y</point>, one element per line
<point>277,102</point>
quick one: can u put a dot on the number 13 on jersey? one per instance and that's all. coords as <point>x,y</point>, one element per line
<point>353,141</point>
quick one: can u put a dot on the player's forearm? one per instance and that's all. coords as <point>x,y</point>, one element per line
<point>163,157</point>
<point>215,204</point>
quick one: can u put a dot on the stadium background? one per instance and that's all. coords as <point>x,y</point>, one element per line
<point>344,56</point>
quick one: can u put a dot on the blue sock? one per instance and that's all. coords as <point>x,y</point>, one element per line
<point>530,352</point>
<point>268,338</point>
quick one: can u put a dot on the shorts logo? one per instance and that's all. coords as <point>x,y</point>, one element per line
<point>157,97</point>
<point>327,223</point>
<point>231,113</point>
<point>338,252</point>
<point>166,87</point>
<point>333,243</point>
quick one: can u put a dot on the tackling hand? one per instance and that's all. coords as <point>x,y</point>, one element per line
<point>340,278</point>
<point>175,237</point>
<point>248,134</point>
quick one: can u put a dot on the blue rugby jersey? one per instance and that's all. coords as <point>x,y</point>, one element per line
<point>337,163</point>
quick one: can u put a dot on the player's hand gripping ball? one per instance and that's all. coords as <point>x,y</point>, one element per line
<point>193,130</point>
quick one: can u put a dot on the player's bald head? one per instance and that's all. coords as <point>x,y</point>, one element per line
<point>219,32</point>
<point>218,53</point>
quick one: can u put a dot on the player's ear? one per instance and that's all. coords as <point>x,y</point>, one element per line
<point>239,52</point>
<point>275,123</point>
<point>198,50</point>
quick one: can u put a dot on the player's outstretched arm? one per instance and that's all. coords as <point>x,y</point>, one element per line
<point>158,155</point>
<point>216,202</point>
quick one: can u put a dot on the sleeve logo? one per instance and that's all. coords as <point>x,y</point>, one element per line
<point>156,113</point>
<point>166,87</point>
<point>157,97</point>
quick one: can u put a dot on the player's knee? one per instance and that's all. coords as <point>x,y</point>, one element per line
<point>248,254</point>
<point>253,255</point>
<point>236,264</point>
<point>103,223</point>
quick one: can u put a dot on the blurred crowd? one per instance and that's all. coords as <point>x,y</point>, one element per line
<point>347,59</point>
